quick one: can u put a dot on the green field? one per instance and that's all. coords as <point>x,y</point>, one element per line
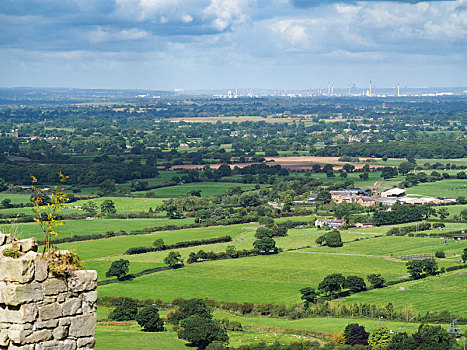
<point>207,188</point>
<point>123,335</point>
<point>262,279</point>
<point>454,209</point>
<point>392,246</point>
<point>445,188</point>
<point>86,227</point>
<point>125,204</point>
<point>128,335</point>
<point>15,198</point>
<point>118,245</point>
<point>443,292</point>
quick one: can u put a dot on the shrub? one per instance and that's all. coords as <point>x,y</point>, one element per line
<point>440,254</point>
<point>148,318</point>
<point>126,310</point>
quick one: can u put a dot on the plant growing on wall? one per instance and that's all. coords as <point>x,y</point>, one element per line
<point>47,208</point>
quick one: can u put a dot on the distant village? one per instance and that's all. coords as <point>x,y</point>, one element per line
<point>366,199</point>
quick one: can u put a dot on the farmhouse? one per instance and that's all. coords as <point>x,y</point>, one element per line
<point>348,195</point>
<point>333,223</point>
<point>366,201</point>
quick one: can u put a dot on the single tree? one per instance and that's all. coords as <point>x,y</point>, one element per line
<point>189,308</point>
<point>347,331</point>
<point>6,203</point>
<point>331,239</point>
<point>262,232</point>
<point>464,256</point>
<point>90,208</point>
<point>406,167</point>
<point>108,207</point>
<point>174,259</point>
<point>332,284</point>
<point>200,331</point>
<point>119,268</point>
<point>358,336</point>
<point>265,245</point>
<point>148,318</point>
<point>376,280</point>
<point>309,296</point>
<point>380,338</point>
<point>159,244</point>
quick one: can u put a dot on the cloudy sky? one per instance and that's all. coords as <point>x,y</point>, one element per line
<point>199,44</point>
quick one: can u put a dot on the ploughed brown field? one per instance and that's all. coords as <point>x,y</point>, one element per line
<point>292,163</point>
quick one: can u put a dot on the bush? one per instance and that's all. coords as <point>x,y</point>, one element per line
<point>331,239</point>
<point>440,254</point>
<point>148,318</point>
<point>126,310</point>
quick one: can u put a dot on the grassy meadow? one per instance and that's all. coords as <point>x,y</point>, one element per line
<point>443,292</point>
<point>96,225</point>
<point>207,188</point>
<point>263,279</point>
<point>446,188</point>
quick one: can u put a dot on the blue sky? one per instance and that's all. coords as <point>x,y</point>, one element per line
<point>200,44</point>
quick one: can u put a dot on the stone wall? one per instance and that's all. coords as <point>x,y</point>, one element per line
<point>39,311</point>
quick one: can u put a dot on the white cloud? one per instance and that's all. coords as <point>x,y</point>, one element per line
<point>227,12</point>
<point>187,19</point>
<point>101,35</point>
<point>140,10</point>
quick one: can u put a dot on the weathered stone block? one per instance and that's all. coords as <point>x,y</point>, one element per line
<point>86,343</point>
<point>4,340</point>
<point>82,280</point>
<point>65,321</point>
<point>71,307</point>
<point>21,347</point>
<point>28,245</point>
<point>17,294</point>
<point>17,270</point>
<point>53,286</point>
<point>41,268</point>
<point>47,324</point>
<point>89,301</point>
<point>25,314</point>
<point>61,332</point>
<point>38,336</point>
<point>83,326</point>
<point>18,334</point>
<point>57,345</point>
<point>50,311</point>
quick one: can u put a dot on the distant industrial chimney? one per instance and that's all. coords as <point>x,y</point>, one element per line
<point>398,91</point>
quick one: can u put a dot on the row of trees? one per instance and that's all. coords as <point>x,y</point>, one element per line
<point>426,338</point>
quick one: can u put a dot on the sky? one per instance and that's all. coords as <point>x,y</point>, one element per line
<point>216,44</point>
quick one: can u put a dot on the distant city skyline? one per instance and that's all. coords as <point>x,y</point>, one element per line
<point>217,44</point>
